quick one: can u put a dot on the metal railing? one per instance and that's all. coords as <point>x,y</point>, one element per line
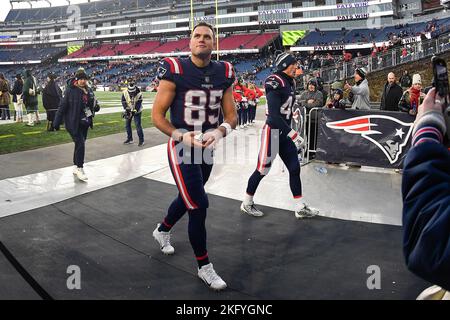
<point>391,58</point>
<point>313,126</point>
<point>298,123</point>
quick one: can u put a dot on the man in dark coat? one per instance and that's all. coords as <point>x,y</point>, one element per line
<point>17,98</point>
<point>77,109</point>
<point>405,80</point>
<point>51,97</point>
<point>30,99</point>
<point>392,93</point>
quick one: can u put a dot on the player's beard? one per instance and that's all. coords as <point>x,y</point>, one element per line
<point>206,55</point>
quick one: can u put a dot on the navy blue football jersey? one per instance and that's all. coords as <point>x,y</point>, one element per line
<point>280,94</point>
<point>199,91</point>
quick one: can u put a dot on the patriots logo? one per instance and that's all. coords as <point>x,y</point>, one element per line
<point>274,84</point>
<point>391,141</point>
<point>161,72</point>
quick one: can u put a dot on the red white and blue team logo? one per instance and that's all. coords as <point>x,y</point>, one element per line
<point>389,134</point>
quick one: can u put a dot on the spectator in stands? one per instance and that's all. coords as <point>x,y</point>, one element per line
<point>426,200</point>
<point>17,97</point>
<point>29,96</point>
<point>5,98</point>
<point>392,94</point>
<point>412,97</point>
<point>336,100</point>
<point>311,98</point>
<point>77,110</point>
<point>132,103</point>
<point>51,97</point>
<point>320,87</point>
<point>360,91</point>
<point>405,80</point>
<point>315,63</point>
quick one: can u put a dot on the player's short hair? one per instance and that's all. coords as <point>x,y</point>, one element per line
<point>204,24</point>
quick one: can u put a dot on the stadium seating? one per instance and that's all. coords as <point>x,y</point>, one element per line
<point>323,37</point>
<point>173,46</point>
<point>29,54</point>
<point>142,47</point>
<point>368,35</point>
<point>235,41</point>
<point>361,35</point>
<point>261,40</point>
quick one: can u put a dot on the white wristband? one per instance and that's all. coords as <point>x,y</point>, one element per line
<point>227,127</point>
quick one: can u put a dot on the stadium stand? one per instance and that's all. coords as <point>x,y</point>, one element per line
<point>29,54</point>
<point>173,46</point>
<point>261,40</point>
<point>373,35</point>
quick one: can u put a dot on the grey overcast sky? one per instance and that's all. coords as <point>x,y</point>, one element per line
<point>5,5</point>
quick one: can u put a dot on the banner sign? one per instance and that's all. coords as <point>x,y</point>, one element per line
<point>371,138</point>
<point>291,37</point>
<point>352,5</point>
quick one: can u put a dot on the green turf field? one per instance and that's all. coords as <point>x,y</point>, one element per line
<point>107,99</point>
<point>18,137</point>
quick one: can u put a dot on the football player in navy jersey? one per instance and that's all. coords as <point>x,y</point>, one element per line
<point>279,138</point>
<point>195,89</point>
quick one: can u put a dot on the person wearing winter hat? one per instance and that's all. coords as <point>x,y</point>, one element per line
<point>336,100</point>
<point>413,97</point>
<point>30,99</point>
<point>132,104</point>
<point>77,110</point>
<point>279,138</point>
<point>312,97</point>
<point>17,97</point>
<point>360,91</point>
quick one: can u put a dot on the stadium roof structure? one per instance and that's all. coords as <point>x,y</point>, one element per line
<point>22,4</point>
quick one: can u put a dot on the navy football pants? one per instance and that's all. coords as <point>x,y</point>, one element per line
<point>268,152</point>
<point>192,198</point>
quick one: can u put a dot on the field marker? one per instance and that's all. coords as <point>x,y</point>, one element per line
<point>32,132</point>
<point>7,136</point>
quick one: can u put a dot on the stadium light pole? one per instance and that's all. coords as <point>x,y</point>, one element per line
<point>192,16</point>
<point>217,30</point>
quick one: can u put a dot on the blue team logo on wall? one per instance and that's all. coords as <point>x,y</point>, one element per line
<point>389,134</point>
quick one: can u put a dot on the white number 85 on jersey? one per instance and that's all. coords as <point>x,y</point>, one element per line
<point>196,103</point>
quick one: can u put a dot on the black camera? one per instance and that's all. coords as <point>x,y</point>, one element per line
<point>441,83</point>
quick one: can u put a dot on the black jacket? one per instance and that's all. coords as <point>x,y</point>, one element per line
<point>406,81</point>
<point>71,108</point>
<point>391,97</point>
<point>17,89</point>
<point>51,96</point>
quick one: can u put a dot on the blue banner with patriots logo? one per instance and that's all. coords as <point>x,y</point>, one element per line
<point>370,138</point>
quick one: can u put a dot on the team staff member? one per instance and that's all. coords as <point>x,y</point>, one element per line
<point>77,110</point>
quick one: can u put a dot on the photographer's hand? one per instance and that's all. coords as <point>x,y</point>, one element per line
<point>430,112</point>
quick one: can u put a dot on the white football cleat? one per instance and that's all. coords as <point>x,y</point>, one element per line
<point>306,212</point>
<point>163,239</point>
<point>211,278</point>
<point>251,210</point>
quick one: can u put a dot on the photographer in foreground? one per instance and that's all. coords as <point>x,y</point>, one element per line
<point>426,199</point>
